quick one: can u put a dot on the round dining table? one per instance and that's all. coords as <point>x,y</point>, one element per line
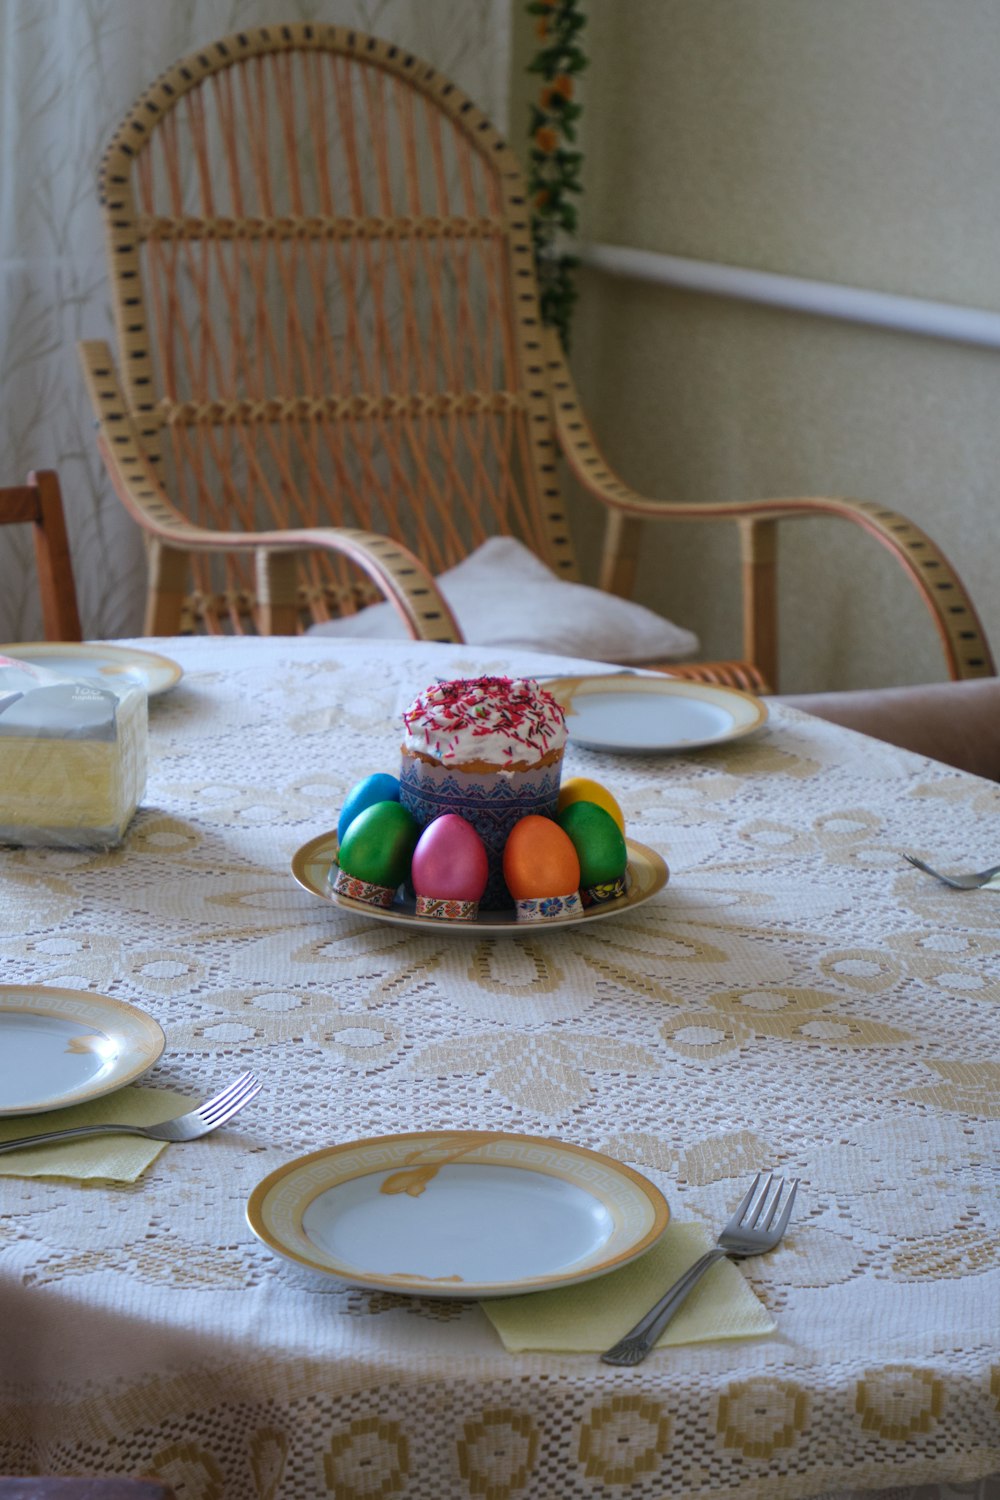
<point>792,997</point>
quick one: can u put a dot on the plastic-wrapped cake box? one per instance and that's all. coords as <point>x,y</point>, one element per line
<point>73,758</point>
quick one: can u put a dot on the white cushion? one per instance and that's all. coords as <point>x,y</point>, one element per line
<point>503,595</point>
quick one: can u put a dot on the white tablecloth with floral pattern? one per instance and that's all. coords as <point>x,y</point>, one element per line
<point>797,997</point>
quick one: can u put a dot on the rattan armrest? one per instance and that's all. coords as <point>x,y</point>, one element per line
<point>398,574</point>
<point>963,640</point>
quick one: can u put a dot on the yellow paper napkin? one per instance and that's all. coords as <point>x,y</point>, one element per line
<point>116,1158</point>
<point>593,1315</point>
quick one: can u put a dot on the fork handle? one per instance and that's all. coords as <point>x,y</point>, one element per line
<point>48,1137</point>
<point>633,1348</point>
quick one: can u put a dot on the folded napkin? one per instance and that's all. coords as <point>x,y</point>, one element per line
<point>593,1315</point>
<point>117,1158</point>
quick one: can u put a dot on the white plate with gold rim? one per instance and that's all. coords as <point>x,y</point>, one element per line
<point>648,714</point>
<point>108,665</point>
<point>63,1047</point>
<point>465,1213</point>
<point>647,873</point>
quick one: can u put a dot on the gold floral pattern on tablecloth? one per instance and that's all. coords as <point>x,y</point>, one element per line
<point>760,1417</point>
<point>624,1438</point>
<point>899,1402</point>
<point>372,1457</point>
<point>497,1453</point>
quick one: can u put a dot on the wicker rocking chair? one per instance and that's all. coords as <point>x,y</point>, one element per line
<point>329,337</point>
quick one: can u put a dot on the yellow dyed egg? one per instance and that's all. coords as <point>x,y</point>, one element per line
<point>539,860</point>
<point>582,789</point>
<point>598,841</point>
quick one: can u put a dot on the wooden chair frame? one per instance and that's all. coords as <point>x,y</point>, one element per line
<point>39,502</point>
<point>82,1487</point>
<point>415,408</point>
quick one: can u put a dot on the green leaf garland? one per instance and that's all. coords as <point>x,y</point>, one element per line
<point>554,164</point>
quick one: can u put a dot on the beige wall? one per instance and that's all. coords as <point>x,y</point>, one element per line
<point>853,141</point>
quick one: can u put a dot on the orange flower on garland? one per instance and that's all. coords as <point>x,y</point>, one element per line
<point>560,88</point>
<point>554,166</point>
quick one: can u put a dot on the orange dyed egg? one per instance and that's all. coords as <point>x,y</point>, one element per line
<point>539,860</point>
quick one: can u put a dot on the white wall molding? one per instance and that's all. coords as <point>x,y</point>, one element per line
<point>941,320</point>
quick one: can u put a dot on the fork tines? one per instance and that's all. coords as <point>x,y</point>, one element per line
<point>240,1091</point>
<point>750,1212</point>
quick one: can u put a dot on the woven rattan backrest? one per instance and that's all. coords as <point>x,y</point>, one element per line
<point>325,297</point>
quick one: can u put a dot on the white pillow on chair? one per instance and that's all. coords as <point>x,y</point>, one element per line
<point>503,595</point>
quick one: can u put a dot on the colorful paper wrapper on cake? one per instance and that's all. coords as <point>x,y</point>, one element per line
<point>488,749</point>
<point>73,758</point>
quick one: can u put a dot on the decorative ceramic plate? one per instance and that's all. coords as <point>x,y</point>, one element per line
<point>465,1213</point>
<point>635,714</point>
<point>63,1047</point>
<point>109,664</point>
<point>311,865</point>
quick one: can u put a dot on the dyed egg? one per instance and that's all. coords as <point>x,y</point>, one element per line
<point>598,841</point>
<point>379,787</point>
<point>582,789</point>
<point>539,859</point>
<point>450,869</point>
<point>379,844</point>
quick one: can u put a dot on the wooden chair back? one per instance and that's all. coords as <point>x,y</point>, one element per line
<point>326,309</point>
<point>54,1487</point>
<point>39,502</point>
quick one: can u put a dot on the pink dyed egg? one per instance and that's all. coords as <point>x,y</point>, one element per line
<point>450,860</point>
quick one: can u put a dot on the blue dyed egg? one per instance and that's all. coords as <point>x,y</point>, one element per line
<point>379,787</point>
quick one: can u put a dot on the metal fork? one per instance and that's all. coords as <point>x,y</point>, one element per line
<point>756,1226</point>
<point>972,882</point>
<point>208,1116</point>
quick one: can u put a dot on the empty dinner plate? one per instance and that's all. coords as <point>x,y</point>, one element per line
<point>632,713</point>
<point>109,665</point>
<point>467,1213</point>
<point>63,1047</point>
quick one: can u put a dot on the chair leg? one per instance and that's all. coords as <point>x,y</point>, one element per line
<point>621,554</point>
<point>759,554</point>
<point>277,592</point>
<point>168,582</point>
<point>60,613</point>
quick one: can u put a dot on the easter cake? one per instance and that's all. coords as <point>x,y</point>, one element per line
<point>489,749</point>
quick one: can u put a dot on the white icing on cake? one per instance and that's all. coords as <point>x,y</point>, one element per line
<point>495,721</point>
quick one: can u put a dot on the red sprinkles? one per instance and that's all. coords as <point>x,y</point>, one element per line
<point>487,706</point>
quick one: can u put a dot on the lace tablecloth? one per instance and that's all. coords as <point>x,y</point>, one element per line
<point>796,997</point>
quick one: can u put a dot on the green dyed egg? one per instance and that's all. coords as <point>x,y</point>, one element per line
<point>379,844</point>
<point>598,841</point>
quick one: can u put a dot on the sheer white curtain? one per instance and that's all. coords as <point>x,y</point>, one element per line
<point>69,69</point>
